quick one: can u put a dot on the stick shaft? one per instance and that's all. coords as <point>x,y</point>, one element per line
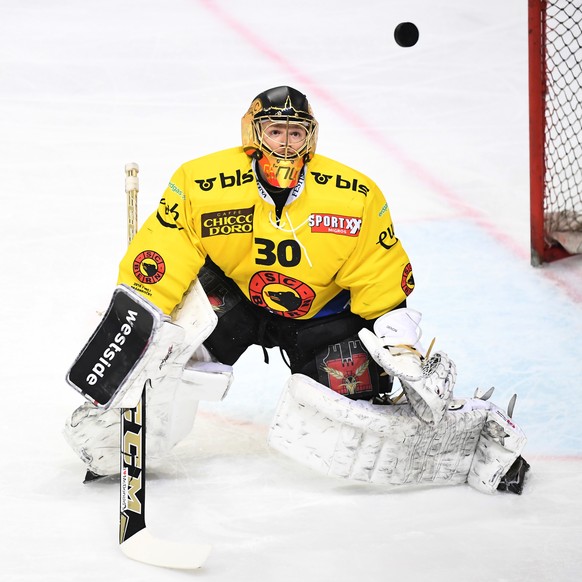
<point>131,190</point>
<point>133,426</point>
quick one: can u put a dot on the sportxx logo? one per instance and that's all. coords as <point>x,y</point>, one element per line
<point>226,180</point>
<point>335,224</point>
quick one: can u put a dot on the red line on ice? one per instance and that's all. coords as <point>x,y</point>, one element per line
<point>415,168</point>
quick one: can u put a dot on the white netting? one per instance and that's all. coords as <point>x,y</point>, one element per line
<point>563,135</point>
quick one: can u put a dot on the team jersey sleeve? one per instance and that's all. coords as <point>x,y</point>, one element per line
<point>378,273</point>
<point>166,255</point>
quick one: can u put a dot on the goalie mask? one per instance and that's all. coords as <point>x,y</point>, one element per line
<point>280,132</point>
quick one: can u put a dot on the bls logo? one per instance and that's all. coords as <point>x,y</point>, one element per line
<point>341,182</point>
<point>226,181</point>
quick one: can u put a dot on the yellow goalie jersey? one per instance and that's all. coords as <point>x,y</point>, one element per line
<point>334,234</point>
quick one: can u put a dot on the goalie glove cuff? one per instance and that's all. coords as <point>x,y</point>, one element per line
<point>400,362</point>
<point>399,327</point>
<point>395,343</point>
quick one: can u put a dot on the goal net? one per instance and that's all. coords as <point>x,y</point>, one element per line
<point>555,80</point>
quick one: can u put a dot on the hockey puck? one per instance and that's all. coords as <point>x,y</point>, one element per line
<point>406,34</point>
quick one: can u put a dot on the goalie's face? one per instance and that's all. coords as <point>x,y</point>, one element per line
<point>284,144</point>
<point>285,140</point>
<point>280,133</point>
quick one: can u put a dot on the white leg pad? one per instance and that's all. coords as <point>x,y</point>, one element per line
<point>93,433</point>
<point>501,442</point>
<point>387,445</point>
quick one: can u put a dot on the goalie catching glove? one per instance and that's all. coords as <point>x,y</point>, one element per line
<point>395,346</point>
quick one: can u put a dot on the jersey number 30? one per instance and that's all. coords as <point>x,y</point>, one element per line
<point>287,252</point>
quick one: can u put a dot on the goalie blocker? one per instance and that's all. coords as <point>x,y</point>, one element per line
<point>134,342</point>
<point>112,354</point>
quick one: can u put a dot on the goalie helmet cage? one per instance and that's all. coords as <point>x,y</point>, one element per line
<point>555,76</point>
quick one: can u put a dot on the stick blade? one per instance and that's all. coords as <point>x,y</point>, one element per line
<point>143,547</point>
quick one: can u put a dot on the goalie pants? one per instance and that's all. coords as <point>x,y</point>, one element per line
<point>326,349</point>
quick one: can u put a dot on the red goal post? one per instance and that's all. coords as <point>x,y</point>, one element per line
<point>555,104</point>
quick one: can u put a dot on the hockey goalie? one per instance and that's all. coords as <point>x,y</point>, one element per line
<point>272,244</point>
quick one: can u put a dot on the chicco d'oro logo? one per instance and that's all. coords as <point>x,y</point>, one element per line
<point>238,220</point>
<point>280,294</point>
<point>149,267</point>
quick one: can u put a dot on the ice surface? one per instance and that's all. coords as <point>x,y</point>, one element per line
<point>442,127</point>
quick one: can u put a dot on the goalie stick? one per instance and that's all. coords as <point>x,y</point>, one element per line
<point>135,540</point>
